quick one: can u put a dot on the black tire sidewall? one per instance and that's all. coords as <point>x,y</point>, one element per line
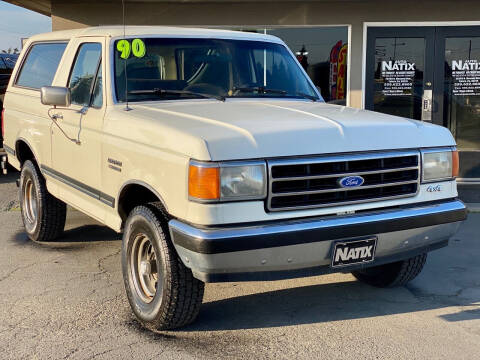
<point>140,222</point>
<point>29,171</point>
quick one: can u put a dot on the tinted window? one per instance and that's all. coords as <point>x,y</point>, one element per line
<point>3,66</point>
<point>398,76</point>
<point>83,74</point>
<point>41,65</point>
<point>97,97</point>
<point>322,52</point>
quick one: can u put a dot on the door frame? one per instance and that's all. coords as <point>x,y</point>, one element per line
<point>368,24</point>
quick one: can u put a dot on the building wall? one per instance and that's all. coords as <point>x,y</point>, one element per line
<point>69,14</point>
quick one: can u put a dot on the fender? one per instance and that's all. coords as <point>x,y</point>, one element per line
<point>144,184</point>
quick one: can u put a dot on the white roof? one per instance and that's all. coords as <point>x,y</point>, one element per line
<point>167,31</point>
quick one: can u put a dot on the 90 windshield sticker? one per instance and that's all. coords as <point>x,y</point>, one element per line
<point>137,47</point>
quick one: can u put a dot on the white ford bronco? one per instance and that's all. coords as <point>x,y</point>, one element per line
<point>215,155</point>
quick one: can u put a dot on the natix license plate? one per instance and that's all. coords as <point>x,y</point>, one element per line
<point>352,252</point>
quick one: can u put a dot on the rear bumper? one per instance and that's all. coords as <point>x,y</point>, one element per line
<point>3,161</point>
<point>294,248</point>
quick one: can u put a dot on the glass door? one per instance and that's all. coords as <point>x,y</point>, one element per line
<point>457,92</point>
<point>399,71</point>
<point>430,74</point>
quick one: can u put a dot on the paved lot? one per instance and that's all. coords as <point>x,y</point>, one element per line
<point>66,301</point>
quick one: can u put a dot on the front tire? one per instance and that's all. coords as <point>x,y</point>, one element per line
<point>43,215</point>
<point>162,292</point>
<point>394,274</point>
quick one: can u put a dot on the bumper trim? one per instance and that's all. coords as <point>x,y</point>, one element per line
<point>312,271</point>
<point>293,232</point>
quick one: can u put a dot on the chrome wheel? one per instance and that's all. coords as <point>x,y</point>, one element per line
<point>30,205</point>
<point>143,266</point>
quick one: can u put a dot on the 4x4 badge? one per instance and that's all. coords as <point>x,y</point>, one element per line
<point>434,188</point>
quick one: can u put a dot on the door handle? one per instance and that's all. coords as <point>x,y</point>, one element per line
<point>57,117</point>
<point>427,105</point>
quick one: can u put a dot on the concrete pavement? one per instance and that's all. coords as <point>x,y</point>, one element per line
<point>65,300</point>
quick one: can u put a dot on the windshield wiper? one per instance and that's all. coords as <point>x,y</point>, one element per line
<point>306,96</point>
<point>264,90</point>
<point>164,92</point>
<point>260,90</point>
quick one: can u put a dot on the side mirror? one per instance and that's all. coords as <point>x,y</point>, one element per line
<point>55,96</point>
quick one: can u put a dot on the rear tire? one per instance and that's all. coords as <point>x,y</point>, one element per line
<point>394,274</point>
<point>43,215</point>
<point>162,292</point>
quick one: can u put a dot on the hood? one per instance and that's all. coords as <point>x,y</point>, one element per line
<point>248,129</point>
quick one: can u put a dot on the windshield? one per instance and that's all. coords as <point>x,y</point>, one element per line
<point>192,68</point>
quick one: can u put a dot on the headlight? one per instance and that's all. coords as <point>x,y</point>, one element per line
<point>439,164</point>
<point>227,181</point>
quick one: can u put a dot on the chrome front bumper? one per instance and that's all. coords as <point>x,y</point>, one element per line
<point>303,247</point>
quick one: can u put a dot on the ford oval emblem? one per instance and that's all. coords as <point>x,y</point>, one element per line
<point>351,181</point>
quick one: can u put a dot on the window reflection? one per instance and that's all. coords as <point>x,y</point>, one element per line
<point>462,90</point>
<point>322,52</point>
<point>399,68</point>
<point>41,64</point>
<point>83,73</point>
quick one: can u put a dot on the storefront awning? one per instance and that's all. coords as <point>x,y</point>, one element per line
<point>41,6</point>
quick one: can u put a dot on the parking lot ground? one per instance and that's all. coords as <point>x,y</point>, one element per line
<point>65,300</point>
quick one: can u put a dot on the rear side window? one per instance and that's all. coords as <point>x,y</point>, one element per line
<point>41,65</point>
<point>84,72</point>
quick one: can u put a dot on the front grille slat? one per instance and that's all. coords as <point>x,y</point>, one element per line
<point>309,183</point>
<point>344,189</point>
<point>343,174</point>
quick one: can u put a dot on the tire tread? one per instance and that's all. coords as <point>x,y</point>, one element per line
<point>182,293</point>
<point>51,223</point>
<point>392,275</point>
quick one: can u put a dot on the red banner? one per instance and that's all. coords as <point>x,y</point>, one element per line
<point>333,69</point>
<point>342,72</point>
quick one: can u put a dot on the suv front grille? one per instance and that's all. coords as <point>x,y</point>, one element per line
<point>315,182</point>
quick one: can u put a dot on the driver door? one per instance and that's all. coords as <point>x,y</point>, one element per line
<point>76,142</point>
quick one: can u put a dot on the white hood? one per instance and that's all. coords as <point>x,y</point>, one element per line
<point>248,129</point>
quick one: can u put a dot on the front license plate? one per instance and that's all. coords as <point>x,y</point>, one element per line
<point>354,252</point>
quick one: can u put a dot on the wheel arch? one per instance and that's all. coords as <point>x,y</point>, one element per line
<point>24,151</point>
<point>134,193</point>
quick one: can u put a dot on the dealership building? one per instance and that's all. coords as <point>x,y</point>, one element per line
<point>414,58</point>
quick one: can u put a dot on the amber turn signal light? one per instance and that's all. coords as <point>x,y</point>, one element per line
<point>204,182</point>
<point>455,164</point>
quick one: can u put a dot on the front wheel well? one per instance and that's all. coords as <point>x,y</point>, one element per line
<point>133,195</point>
<point>23,152</point>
